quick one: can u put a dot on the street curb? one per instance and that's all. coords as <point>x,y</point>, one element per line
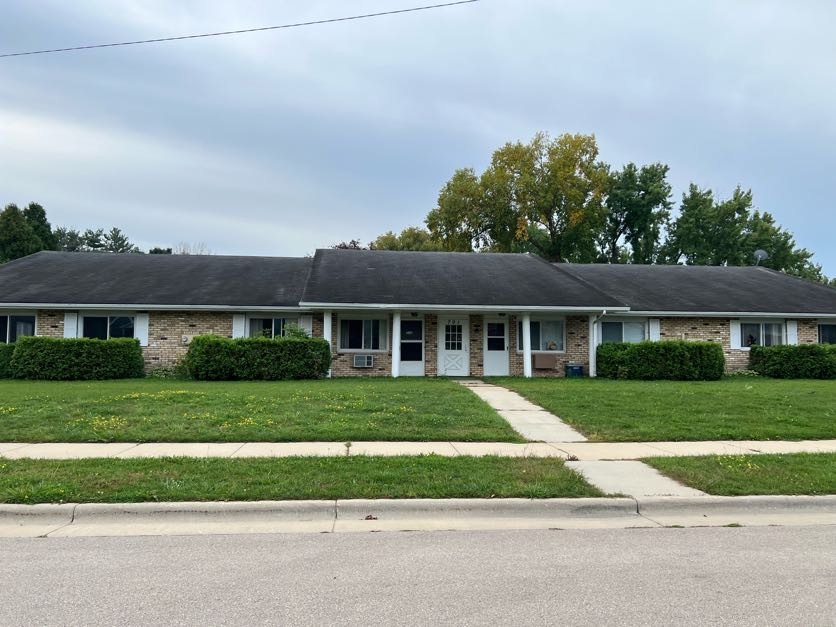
<point>393,514</point>
<point>353,509</point>
<point>302,511</point>
<point>748,506</point>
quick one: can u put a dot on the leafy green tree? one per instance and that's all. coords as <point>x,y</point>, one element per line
<point>354,244</point>
<point>68,240</point>
<point>457,220</point>
<point>637,207</point>
<point>707,232</point>
<point>411,238</point>
<point>35,215</point>
<point>712,232</point>
<point>17,237</point>
<point>545,196</point>
<point>157,250</point>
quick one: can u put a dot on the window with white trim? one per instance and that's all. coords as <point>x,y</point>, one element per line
<point>107,327</point>
<point>827,333</point>
<point>14,326</point>
<point>270,327</point>
<point>363,334</point>
<point>547,336</point>
<point>623,332</point>
<point>761,334</point>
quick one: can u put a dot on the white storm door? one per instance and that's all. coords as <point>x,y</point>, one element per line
<point>412,348</point>
<point>496,348</point>
<point>453,347</point>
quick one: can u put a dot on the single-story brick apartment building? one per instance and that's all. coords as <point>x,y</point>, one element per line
<point>411,313</point>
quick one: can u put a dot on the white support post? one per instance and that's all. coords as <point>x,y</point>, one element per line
<point>396,344</point>
<point>593,347</point>
<point>327,332</point>
<point>526,338</point>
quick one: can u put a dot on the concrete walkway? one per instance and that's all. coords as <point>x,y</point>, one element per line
<point>529,420</point>
<point>579,451</point>
<point>631,478</point>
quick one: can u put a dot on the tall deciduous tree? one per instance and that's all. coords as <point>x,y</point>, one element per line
<point>35,215</point>
<point>637,207</point>
<point>545,196</point>
<point>411,238</point>
<point>17,237</point>
<point>711,232</point>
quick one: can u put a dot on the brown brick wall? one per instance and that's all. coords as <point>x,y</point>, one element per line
<point>477,364</point>
<point>431,345</point>
<point>577,348</point>
<point>167,328</point>
<point>49,323</point>
<point>708,330</point>
<point>808,331</point>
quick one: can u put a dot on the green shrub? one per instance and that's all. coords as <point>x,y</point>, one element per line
<point>807,361</point>
<point>6,351</point>
<point>76,359</point>
<point>671,360</point>
<point>215,358</point>
<point>611,360</point>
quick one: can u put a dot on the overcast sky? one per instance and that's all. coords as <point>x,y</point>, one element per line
<point>280,142</point>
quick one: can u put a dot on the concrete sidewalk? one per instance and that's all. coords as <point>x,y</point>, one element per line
<point>582,451</point>
<point>529,420</point>
<point>131,519</point>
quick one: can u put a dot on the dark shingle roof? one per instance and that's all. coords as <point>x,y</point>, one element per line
<point>706,288</point>
<point>106,278</point>
<point>439,278</point>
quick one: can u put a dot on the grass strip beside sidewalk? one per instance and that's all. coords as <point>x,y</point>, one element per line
<point>741,475</point>
<point>291,478</point>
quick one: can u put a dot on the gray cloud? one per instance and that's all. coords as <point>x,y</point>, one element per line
<point>277,143</point>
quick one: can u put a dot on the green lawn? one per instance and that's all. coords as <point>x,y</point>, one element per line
<point>291,478</point>
<point>152,410</point>
<point>737,475</point>
<point>735,408</point>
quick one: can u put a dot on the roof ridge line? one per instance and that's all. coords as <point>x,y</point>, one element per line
<point>557,267</point>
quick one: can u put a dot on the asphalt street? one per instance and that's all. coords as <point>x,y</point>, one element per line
<point>735,576</point>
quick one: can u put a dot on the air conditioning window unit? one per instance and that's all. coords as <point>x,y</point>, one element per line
<point>363,361</point>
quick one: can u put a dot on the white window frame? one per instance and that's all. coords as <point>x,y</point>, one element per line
<point>108,315</point>
<point>385,344</point>
<point>9,314</point>
<point>287,317</point>
<point>561,319</point>
<point>622,320</point>
<point>761,322</point>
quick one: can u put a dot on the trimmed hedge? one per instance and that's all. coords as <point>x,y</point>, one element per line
<point>806,361</point>
<point>215,358</point>
<point>6,351</point>
<point>670,360</point>
<point>80,359</point>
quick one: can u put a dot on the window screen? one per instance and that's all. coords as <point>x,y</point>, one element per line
<point>20,326</point>
<point>121,326</point>
<point>95,327</point>
<point>4,329</point>
<point>827,333</point>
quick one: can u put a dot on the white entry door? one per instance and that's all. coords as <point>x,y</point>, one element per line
<point>496,348</point>
<point>453,347</point>
<point>412,348</point>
